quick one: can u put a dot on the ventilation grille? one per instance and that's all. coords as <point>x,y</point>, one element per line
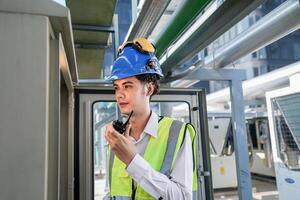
<point>287,125</point>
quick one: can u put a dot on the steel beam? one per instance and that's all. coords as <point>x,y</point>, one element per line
<point>115,35</point>
<point>204,74</point>
<point>149,15</point>
<point>134,12</point>
<point>93,28</point>
<point>90,46</point>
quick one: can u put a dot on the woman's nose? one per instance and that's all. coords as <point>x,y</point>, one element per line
<point>120,94</point>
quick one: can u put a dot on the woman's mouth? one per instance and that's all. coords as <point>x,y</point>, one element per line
<point>123,104</point>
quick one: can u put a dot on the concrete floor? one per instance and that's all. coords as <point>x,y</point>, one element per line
<point>261,190</point>
<point>99,190</point>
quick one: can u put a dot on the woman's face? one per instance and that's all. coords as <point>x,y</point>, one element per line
<point>132,94</point>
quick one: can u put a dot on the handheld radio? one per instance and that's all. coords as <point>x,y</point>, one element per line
<point>119,126</point>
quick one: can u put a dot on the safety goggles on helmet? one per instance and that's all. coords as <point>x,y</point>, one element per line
<point>140,44</point>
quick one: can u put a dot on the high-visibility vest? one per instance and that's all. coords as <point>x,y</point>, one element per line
<point>160,153</point>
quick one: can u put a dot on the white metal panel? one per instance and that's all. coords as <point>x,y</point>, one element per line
<point>288,181</point>
<point>217,132</point>
<point>259,165</point>
<point>24,83</point>
<point>223,171</point>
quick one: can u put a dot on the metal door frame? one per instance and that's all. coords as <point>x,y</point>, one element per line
<point>197,97</point>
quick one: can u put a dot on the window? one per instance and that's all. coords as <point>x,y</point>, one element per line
<point>296,51</point>
<point>226,37</point>
<point>271,68</point>
<point>205,52</point>
<point>262,54</point>
<point>250,18</point>
<point>239,28</point>
<point>106,111</point>
<point>274,51</point>
<point>245,24</point>
<point>257,17</point>
<point>263,69</point>
<point>286,50</point>
<point>232,33</point>
<point>255,71</point>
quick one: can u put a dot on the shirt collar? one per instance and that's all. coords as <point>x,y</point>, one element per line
<point>152,125</point>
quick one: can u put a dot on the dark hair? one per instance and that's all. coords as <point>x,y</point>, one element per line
<point>150,78</point>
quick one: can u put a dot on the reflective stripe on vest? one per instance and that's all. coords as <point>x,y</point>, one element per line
<point>193,138</point>
<point>160,153</point>
<point>172,141</point>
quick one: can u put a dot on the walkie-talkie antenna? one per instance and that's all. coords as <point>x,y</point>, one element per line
<point>128,119</point>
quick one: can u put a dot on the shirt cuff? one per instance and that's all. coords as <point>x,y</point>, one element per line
<point>137,168</point>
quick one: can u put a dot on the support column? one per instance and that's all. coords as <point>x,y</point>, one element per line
<point>240,140</point>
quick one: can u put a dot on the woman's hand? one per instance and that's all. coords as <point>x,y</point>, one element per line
<point>123,148</point>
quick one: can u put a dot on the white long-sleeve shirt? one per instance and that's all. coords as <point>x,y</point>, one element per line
<point>158,185</point>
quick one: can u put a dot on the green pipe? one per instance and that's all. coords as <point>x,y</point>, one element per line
<point>182,18</point>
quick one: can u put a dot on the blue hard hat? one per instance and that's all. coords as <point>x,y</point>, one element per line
<point>132,62</point>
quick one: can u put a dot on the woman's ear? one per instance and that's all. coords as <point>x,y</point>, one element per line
<point>150,89</point>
